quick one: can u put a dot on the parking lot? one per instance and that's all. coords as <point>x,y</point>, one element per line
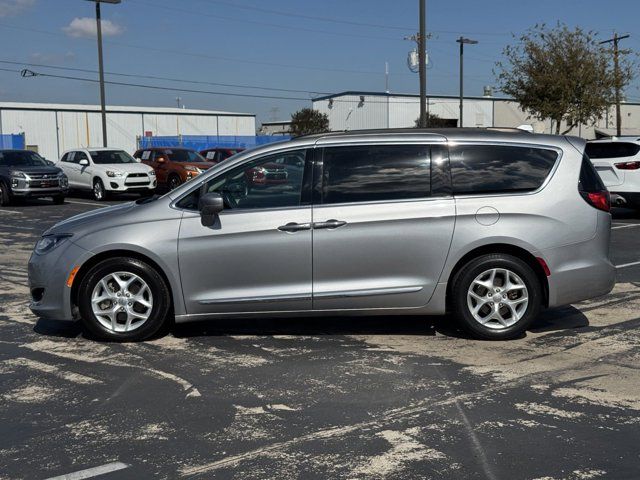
<point>384,397</point>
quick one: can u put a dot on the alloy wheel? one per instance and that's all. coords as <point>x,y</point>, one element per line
<point>122,301</point>
<point>497,298</point>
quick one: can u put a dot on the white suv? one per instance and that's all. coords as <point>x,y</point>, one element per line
<point>104,170</point>
<point>617,160</point>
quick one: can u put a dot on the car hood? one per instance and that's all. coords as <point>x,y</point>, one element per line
<point>125,167</point>
<point>77,222</point>
<point>116,216</point>
<point>48,170</point>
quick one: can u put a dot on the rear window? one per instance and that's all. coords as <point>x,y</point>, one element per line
<point>480,169</point>
<point>590,181</point>
<point>612,150</point>
<point>376,173</point>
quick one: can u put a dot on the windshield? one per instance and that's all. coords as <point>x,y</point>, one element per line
<point>106,157</point>
<point>22,159</point>
<point>184,156</point>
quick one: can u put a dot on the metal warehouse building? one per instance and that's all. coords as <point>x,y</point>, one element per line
<point>369,110</point>
<point>51,129</point>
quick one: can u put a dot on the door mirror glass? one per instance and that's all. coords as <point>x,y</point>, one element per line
<point>210,205</point>
<point>84,162</point>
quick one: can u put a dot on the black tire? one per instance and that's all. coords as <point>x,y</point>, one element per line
<point>161,305</point>
<point>99,192</point>
<point>173,182</point>
<point>58,199</point>
<point>463,281</point>
<point>5,195</point>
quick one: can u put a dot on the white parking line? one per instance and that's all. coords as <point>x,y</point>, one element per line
<point>626,225</point>
<point>10,211</point>
<point>92,472</point>
<point>624,265</point>
<point>87,203</point>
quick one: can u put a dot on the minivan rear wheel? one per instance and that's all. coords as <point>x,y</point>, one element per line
<point>123,299</point>
<point>496,296</point>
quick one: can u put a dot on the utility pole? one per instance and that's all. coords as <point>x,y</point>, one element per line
<point>462,41</point>
<point>616,74</point>
<point>422,60</point>
<point>103,107</point>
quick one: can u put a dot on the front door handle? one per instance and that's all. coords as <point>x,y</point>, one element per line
<point>330,224</point>
<point>294,227</point>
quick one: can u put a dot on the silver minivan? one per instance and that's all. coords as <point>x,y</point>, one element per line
<point>491,226</point>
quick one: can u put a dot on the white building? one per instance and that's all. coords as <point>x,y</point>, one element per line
<point>370,110</point>
<point>51,129</point>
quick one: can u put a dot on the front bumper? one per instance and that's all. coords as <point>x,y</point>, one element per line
<point>33,188</point>
<point>48,274</point>
<point>128,184</point>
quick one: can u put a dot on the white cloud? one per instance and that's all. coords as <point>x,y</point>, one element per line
<point>14,7</point>
<point>86,27</point>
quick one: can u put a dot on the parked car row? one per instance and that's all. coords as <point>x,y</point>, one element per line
<point>102,171</point>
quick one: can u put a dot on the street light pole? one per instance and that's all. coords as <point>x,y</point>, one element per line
<point>462,41</point>
<point>103,107</point>
<point>422,64</point>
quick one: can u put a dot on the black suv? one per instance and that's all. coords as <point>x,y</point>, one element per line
<point>25,174</point>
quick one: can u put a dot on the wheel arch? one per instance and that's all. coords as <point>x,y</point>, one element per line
<point>503,248</point>
<point>99,257</point>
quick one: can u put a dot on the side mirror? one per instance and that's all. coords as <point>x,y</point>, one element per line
<point>161,159</point>
<point>49,162</point>
<point>84,162</point>
<point>210,205</point>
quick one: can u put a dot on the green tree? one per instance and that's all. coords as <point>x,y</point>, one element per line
<point>434,121</point>
<point>562,75</point>
<point>308,121</point>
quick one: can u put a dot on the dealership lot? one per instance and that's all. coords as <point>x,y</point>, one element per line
<point>385,397</point>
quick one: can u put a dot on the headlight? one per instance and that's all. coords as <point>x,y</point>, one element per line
<point>111,173</point>
<point>152,173</point>
<point>18,174</point>
<point>191,168</point>
<point>48,243</point>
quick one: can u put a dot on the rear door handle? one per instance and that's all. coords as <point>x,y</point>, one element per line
<point>330,224</point>
<point>294,227</point>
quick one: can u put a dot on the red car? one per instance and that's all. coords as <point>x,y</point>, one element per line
<point>219,154</point>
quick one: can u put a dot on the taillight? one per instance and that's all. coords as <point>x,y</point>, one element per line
<point>627,165</point>
<point>600,200</point>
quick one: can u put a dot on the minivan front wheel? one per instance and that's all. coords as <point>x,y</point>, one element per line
<point>496,296</point>
<point>123,299</point>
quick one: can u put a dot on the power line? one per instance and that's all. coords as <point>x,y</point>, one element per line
<point>184,53</point>
<point>29,73</point>
<point>268,24</point>
<point>169,79</point>
<point>309,17</point>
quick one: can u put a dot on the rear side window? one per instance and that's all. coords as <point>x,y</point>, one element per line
<point>611,150</point>
<point>480,169</point>
<point>590,181</point>
<point>375,173</point>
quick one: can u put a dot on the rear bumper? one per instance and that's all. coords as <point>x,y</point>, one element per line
<point>583,270</point>
<point>629,199</point>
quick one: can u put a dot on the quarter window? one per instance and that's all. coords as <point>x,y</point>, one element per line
<point>275,181</point>
<point>375,173</point>
<point>480,169</point>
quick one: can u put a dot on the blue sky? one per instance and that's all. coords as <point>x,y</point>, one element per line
<point>280,44</point>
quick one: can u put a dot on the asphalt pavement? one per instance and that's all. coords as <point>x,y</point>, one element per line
<point>332,397</point>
